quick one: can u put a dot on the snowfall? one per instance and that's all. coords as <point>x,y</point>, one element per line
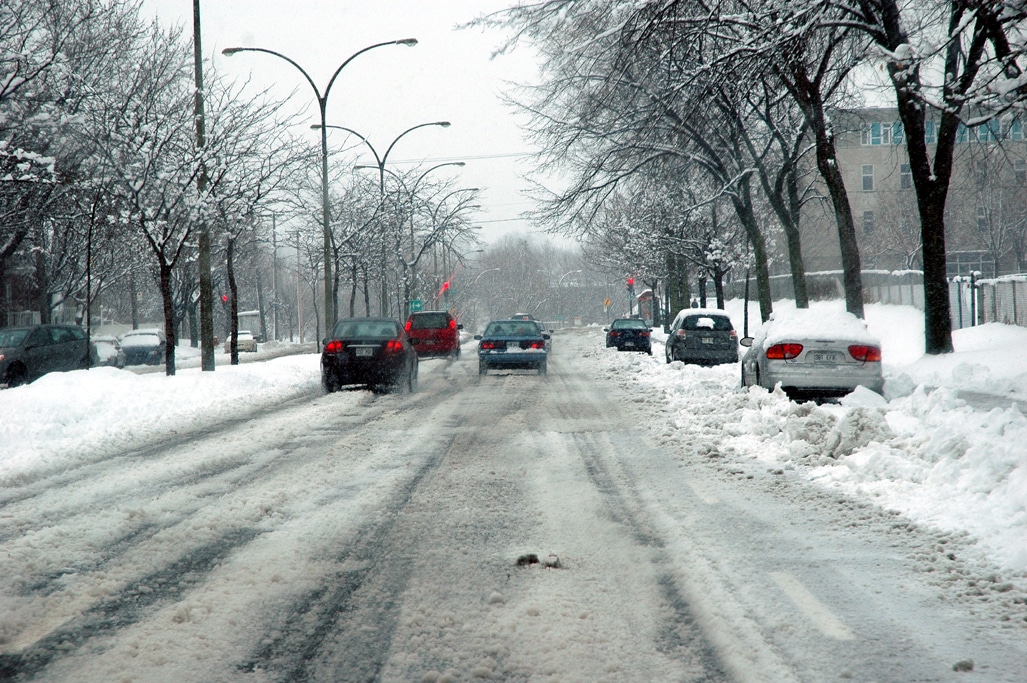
<point>931,448</point>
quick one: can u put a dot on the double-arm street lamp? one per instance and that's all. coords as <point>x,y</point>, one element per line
<point>322,103</point>
<point>380,161</point>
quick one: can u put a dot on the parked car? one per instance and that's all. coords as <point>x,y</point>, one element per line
<point>523,316</point>
<point>245,342</point>
<point>368,351</point>
<point>702,336</point>
<point>144,346</point>
<point>434,334</point>
<point>108,351</point>
<point>27,353</point>
<point>512,344</point>
<point>814,354</point>
<point>629,334</point>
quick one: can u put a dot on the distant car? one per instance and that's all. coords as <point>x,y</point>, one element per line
<point>702,336</point>
<point>434,334</point>
<point>512,344</point>
<point>813,354</point>
<point>144,346</point>
<point>522,316</point>
<point>28,353</point>
<point>108,351</point>
<point>246,342</point>
<point>375,352</point>
<point>629,334</point>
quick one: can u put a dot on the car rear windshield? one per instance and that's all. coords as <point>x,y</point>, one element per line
<point>629,325</point>
<point>12,337</point>
<point>707,322</point>
<point>145,339</point>
<point>378,329</point>
<point>429,321</point>
<point>512,328</point>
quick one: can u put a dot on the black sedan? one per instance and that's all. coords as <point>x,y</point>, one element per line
<point>375,352</point>
<point>629,334</point>
<point>27,353</point>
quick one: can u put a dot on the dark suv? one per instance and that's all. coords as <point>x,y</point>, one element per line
<point>434,334</point>
<point>27,353</point>
<point>702,336</point>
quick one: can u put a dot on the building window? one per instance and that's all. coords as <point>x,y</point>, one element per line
<point>868,222</point>
<point>1020,170</point>
<point>962,133</point>
<point>897,133</point>
<point>905,177</point>
<point>876,133</point>
<point>868,177</point>
<point>1015,129</point>
<point>930,132</point>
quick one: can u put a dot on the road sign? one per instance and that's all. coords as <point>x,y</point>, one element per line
<point>416,305</point>
<point>607,302</point>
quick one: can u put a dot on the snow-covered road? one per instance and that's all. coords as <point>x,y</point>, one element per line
<point>354,537</point>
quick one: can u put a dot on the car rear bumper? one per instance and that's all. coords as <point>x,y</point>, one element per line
<point>708,357</point>
<point>517,359</point>
<point>837,380</point>
<point>343,371</point>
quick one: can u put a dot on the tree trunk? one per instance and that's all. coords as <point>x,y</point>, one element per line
<point>743,208</point>
<point>169,317</point>
<point>233,304</point>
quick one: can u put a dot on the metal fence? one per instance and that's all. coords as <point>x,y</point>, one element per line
<point>1003,300</point>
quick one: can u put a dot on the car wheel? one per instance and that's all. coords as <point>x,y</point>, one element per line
<point>542,369</point>
<point>649,350</point>
<point>668,352</point>
<point>330,384</point>
<point>412,380</point>
<point>482,368</point>
<point>16,376</point>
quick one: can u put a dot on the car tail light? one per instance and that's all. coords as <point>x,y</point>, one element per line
<point>680,334</point>
<point>734,335</point>
<point>865,353</point>
<point>334,346</point>
<point>784,351</point>
<point>488,345</point>
<point>410,323</point>
<point>644,333</point>
<point>538,345</point>
<point>614,333</point>
<point>452,324</point>
<point>393,346</point>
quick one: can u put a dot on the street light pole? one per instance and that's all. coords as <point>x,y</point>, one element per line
<point>322,104</point>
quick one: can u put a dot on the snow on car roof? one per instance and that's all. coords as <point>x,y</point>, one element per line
<point>804,323</point>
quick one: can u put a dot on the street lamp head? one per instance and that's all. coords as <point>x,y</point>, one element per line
<point>409,42</point>
<point>229,51</point>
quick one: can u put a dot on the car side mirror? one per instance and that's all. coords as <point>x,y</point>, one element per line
<point>606,329</point>
<point>546,335</point>
<point>477,336</point>
<point>745,341</point>
<point>460,326</point>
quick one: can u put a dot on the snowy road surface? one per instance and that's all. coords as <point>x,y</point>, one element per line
<point>509,527</point>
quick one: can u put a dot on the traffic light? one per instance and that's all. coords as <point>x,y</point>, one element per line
<point>445,286</point>
<point>224,298</point>
<point>631,283</point>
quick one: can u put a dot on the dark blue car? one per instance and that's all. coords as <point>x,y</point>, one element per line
<point>512,344</point>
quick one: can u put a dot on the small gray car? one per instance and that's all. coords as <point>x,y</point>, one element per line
<point>813,354</point>
<point>27,353</point>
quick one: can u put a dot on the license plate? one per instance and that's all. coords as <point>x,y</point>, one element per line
<point>706,340</point>
<point>363,352</point>
<point>824,357</point>
<point>629,343</point>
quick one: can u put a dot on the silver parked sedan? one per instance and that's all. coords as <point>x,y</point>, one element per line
<point>814,354</point>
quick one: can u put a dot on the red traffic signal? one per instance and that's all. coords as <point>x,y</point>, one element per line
<point>631,282</point>
<point>445,286</point>
<point>224,298</point>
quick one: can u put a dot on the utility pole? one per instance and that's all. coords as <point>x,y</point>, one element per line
<point>274,276</point>
<point>299,293</point>
<point>206,287</point>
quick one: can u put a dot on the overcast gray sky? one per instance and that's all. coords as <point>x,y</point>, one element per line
<point>448,76</point>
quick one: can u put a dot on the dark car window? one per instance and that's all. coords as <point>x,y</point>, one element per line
<point>40,337</point>
<point>14,337</point>
<point>702,322</point>
<point>366,328</point>
<point>629,325</point>
<point>429,321</point>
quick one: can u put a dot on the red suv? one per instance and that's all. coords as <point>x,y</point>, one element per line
<point>434,333</point>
